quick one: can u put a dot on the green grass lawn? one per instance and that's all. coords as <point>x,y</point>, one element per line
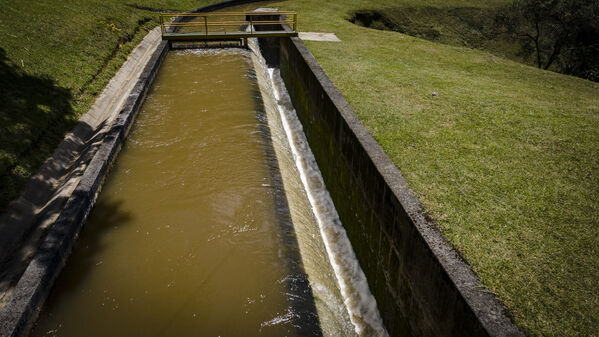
<point>505,159</point>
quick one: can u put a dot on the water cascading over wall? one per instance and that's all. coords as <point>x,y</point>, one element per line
<point>421,285</point>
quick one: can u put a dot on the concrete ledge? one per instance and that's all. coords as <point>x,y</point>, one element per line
<point>33,287</point>
<point>27,219</point>
<point>421,284</point>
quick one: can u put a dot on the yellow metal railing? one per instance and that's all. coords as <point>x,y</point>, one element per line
<point>207,23</point>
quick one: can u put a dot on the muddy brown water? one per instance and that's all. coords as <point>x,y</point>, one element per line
<point>191,234</point>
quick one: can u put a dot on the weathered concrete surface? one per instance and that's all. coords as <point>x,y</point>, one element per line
<point>421,284</point>
<point>55,203</point>
<point>316,36</point>
<point>26,220</point>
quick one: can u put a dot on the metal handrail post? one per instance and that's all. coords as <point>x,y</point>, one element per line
<point>295,22</point>
<point>170,28</point>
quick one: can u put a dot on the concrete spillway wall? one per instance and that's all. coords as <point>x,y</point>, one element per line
<point>421,285</point>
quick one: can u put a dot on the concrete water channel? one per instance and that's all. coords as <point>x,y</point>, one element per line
<point>248,199</point>
<point>204,226</point>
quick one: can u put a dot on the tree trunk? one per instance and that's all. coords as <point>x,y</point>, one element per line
<point>536,39</point>
<point>556,50</point>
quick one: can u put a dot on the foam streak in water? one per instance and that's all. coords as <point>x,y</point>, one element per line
<point>358,299</point>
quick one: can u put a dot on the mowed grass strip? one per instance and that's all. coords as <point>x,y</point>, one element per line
<point>505,158</point>
<point>55,58</point>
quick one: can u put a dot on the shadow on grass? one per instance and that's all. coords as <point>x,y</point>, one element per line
<point>35,113</point>
<point>458,26</point>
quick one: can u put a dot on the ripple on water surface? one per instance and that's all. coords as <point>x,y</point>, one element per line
<point>184,239</point>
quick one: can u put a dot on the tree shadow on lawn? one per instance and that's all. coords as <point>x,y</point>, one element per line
<point>35,114</point>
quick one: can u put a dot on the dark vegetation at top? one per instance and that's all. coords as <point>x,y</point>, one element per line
<point>559,35</point>
<point>564,33</point>
<point>461,26</point>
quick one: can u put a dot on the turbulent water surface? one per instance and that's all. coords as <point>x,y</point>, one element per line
<point>208,224</point>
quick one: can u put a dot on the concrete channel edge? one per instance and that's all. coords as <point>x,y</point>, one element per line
<point>422,285</point>
<point>27,298</point>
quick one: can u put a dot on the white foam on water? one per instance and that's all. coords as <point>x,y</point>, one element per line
<point>351,279</point>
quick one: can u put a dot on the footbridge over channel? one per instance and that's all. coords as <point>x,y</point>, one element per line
<point>227,25</point>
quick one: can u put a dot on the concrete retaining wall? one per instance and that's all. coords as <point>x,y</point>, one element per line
<point>34,286</point>
<point>421,285</point>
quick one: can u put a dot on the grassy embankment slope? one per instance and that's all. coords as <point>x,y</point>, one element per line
<point>505,159</point>
<point>55,58</point>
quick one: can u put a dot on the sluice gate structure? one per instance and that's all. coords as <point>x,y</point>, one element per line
<point>227,26</point>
